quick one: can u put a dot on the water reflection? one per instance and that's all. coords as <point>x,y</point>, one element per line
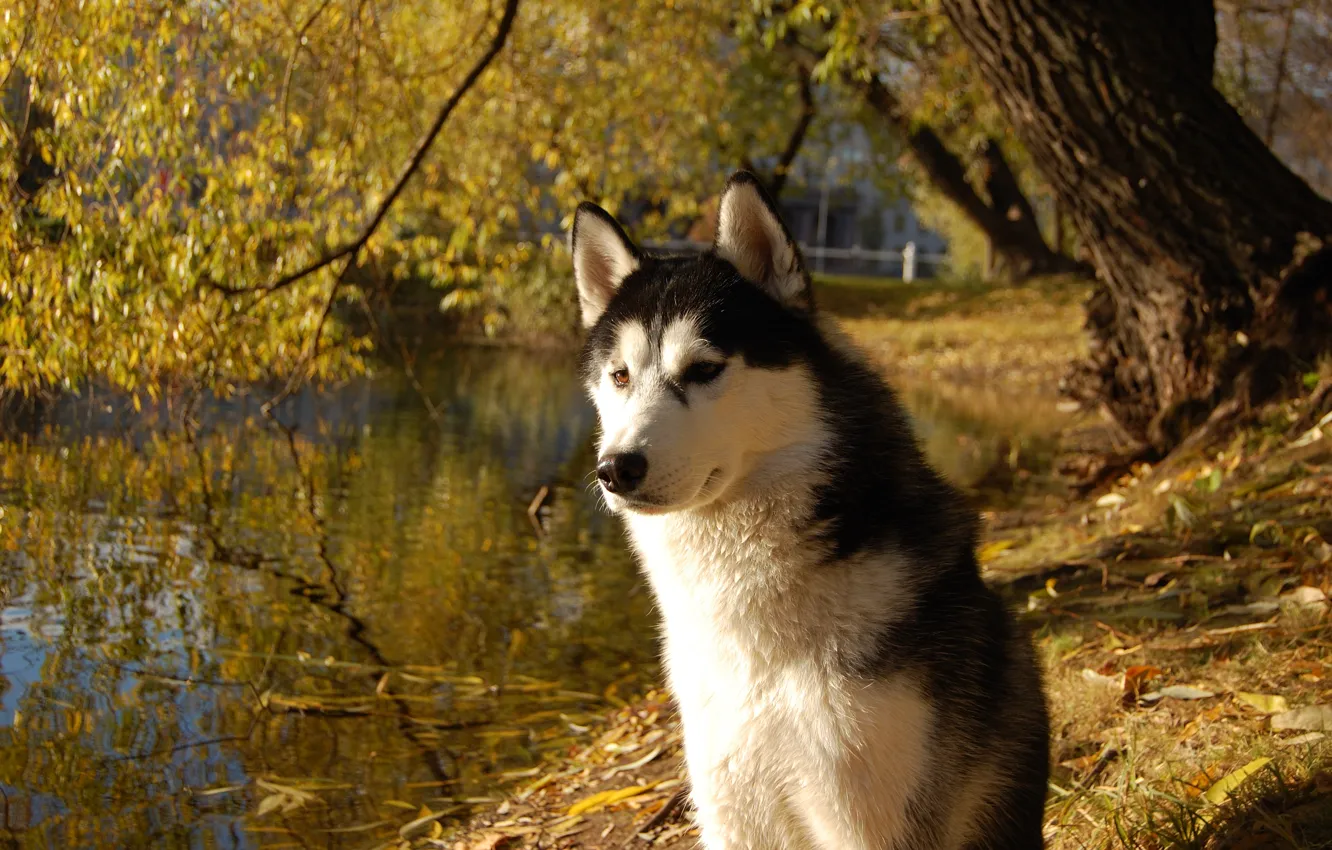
<point>241,636</point>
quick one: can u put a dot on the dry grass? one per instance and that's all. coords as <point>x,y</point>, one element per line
<point>1022,336</point>
<point>1210,573</point>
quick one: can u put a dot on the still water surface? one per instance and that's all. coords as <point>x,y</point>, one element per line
<point>244,637</point>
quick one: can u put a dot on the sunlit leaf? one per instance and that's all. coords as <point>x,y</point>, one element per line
<point>1265,703</point>
<point>1221,790</point>
<point>602,799</point>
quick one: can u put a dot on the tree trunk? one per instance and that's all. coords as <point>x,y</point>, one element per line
<point>1192,222</point>
<point>1015,238</point>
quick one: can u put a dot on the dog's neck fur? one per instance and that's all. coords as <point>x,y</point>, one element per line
<point>749,569</point>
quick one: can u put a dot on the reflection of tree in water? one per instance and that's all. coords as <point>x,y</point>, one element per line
<point>329,594</point>
<point>169,577</point>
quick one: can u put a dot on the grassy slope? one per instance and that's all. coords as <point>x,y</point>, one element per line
<point>1182,576</point>
<point>1021,337</point>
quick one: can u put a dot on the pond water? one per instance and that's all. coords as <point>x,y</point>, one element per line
<point>246,636</point>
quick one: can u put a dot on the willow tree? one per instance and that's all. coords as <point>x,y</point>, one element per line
<point>187,190</point>
<point>1210,252</point>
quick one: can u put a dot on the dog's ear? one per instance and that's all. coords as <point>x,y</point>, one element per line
<point>603,257</point>
<point>751,236</point>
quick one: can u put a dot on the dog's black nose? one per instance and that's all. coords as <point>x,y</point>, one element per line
<point>622,473</point>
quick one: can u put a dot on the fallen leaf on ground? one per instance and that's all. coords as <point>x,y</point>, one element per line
<point>1208,716</point>
<point>1177,692</point>
<point>602,799</point>
<point>992,549</point>
<point>1091,676</point>
<point>1266,703</point>
<point>1306,596</point>
<point>1081,764</point>
<point>1304,604</point>
<point>1226,785</point>
<point>1261,607</point>
<point>1137,676</point>
<point>1201,781</point>
<point>1298,740</point>
<point>1316,718</point>
<point>634,765</point>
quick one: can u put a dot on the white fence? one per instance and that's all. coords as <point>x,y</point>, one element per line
<point>911,260</point>
<point>909,257</point>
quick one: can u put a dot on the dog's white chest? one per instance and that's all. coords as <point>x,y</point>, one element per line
<point>784,749</point>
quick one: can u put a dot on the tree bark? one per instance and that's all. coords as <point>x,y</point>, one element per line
<point>1192,222</point>
<point>1017,245</point>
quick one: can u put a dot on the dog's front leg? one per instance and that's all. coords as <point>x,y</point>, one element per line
<point>743,810</point>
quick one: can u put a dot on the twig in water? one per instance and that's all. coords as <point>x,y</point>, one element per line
<point>534,508</point>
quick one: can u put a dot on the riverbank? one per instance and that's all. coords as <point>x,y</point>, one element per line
<point>1180,611</point>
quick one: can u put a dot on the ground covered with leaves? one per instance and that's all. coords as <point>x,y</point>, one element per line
<point>1181,611</point>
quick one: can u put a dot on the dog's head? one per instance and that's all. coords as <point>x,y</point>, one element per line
<point>696,365</point>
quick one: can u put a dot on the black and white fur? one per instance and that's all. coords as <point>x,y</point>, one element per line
<point>846,680</point>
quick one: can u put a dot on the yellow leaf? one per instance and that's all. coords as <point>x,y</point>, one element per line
<point>270,803</point>
<point>1222,789</point>
<point>1266,703</point>
<point>605,798</point>
<point>991,550</point>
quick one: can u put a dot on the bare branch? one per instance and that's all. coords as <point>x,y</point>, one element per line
<point>28,29</point>
<point>291,69</point>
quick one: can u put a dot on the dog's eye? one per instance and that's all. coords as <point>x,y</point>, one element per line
<point>702,372</point>
<point>620,377</point>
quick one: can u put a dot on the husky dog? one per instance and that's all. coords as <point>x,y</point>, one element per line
<point>845,679</point>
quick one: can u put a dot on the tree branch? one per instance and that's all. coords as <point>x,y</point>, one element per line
<point>798,133</point>
<point>946,171</point>
<point>353,248</point>
<point>1001,184</point>
<point>285,96</point>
